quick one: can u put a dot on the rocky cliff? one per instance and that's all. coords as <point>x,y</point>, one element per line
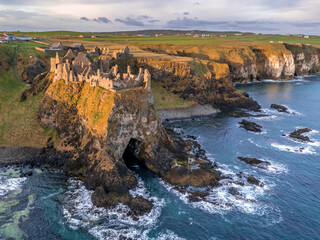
<point>255,62</point>
<point>107,131</point>
<point>204,81</point>
<point>306,59</point>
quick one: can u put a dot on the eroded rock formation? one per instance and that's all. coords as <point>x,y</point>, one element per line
<point>98,126</point>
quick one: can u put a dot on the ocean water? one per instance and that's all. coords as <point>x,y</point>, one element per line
<point>49,205</point>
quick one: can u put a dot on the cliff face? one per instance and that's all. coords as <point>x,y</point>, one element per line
<point>256,62</point>
<point>99,127</point>
<point>205,82</point>
<point>306,59</point>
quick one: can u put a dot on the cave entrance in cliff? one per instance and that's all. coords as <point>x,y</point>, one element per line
<point>131,155</point>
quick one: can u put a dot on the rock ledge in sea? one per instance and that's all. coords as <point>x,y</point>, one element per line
<point>250,126</point>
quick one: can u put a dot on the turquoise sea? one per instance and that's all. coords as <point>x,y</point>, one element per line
<point>49,205</point>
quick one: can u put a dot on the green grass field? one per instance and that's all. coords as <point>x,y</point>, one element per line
<point>18,120</point>
<point>163,99</point>
<point>178,40</point>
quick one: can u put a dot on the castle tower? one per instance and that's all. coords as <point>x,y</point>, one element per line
<point>53,65</point>
<point>71,76</point>
<point>57,58</point>
<point>58,72</point>
<point>129,70</point>
<point>147,80</point>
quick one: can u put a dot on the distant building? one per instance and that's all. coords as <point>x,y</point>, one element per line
<point>24,38</point>
<point>78,47</point>
<point>10,37</point>
<point>122,53</point>
<point>57,45</point>
<point>143,35</point>
<point>97,36</point>
<point>95,52</point>
<point>305,36</point>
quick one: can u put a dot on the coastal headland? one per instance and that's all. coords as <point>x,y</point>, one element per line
<point>97,111</point>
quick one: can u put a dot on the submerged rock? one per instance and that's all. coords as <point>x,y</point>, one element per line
<point>240,114</point>
<point>252,180</point>
<point>297,134</point>
<point>279,108</point>
<point>255,162</point>
<point>250,126</point>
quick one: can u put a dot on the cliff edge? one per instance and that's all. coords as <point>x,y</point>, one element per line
<point>107,131</point>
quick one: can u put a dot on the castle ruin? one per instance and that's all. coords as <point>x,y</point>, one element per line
<point>72,68</point>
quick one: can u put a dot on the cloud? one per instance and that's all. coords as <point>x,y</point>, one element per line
<point>144,17</point>
<point>130,22</point>
<point>288,16</point>
<point>85,19</point>
<point>98,20</point>
<point>153,21</point>
<point>102,20</point>
<point>186,23</point>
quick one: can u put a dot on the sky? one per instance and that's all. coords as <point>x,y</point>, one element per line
<point>259,16</point>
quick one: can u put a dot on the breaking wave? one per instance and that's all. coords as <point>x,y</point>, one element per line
<point>295,149</point>
<point>222,199</point>
<point>113,223</point>
<point>9,184</point>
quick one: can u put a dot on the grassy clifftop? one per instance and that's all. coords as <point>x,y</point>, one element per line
<point>18,120</point>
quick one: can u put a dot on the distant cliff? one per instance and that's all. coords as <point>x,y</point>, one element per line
<point>254,62</point>
<point>204,81</point>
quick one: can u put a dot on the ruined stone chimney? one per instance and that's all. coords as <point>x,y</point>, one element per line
<point>147,80</point>
<point>129,70</point>
<point>57,58</point>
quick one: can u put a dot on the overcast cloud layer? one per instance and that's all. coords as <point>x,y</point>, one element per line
<point>280,16</point>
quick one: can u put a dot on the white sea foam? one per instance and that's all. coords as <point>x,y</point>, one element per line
<point>112,223</point>
<point>308,150</point>
<point>314,142</point>
<point>220,200</point>
<point>275,168</point>
<point>275,112</point>
<point>254,143</point>
<point>8,184</point>
<point>100,232</point>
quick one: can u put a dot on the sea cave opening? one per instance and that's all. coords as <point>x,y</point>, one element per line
<point>131,155</point>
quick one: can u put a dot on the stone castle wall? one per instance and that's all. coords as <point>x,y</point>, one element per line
<point>78,68</point>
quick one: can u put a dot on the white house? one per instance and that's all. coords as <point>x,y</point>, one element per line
<point>9,37</point>
<point>24,38</point>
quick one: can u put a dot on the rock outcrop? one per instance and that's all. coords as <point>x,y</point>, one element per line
<point>250,126</point>
<point>298,134</point>
<point>254,162</point>
<point>205,82</point>
<point>98,126</point>
<point>32,70</point>
<point>279,108</point>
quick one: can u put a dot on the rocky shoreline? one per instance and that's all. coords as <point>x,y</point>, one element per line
<point>34,157</point>
<point>189,112</point>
